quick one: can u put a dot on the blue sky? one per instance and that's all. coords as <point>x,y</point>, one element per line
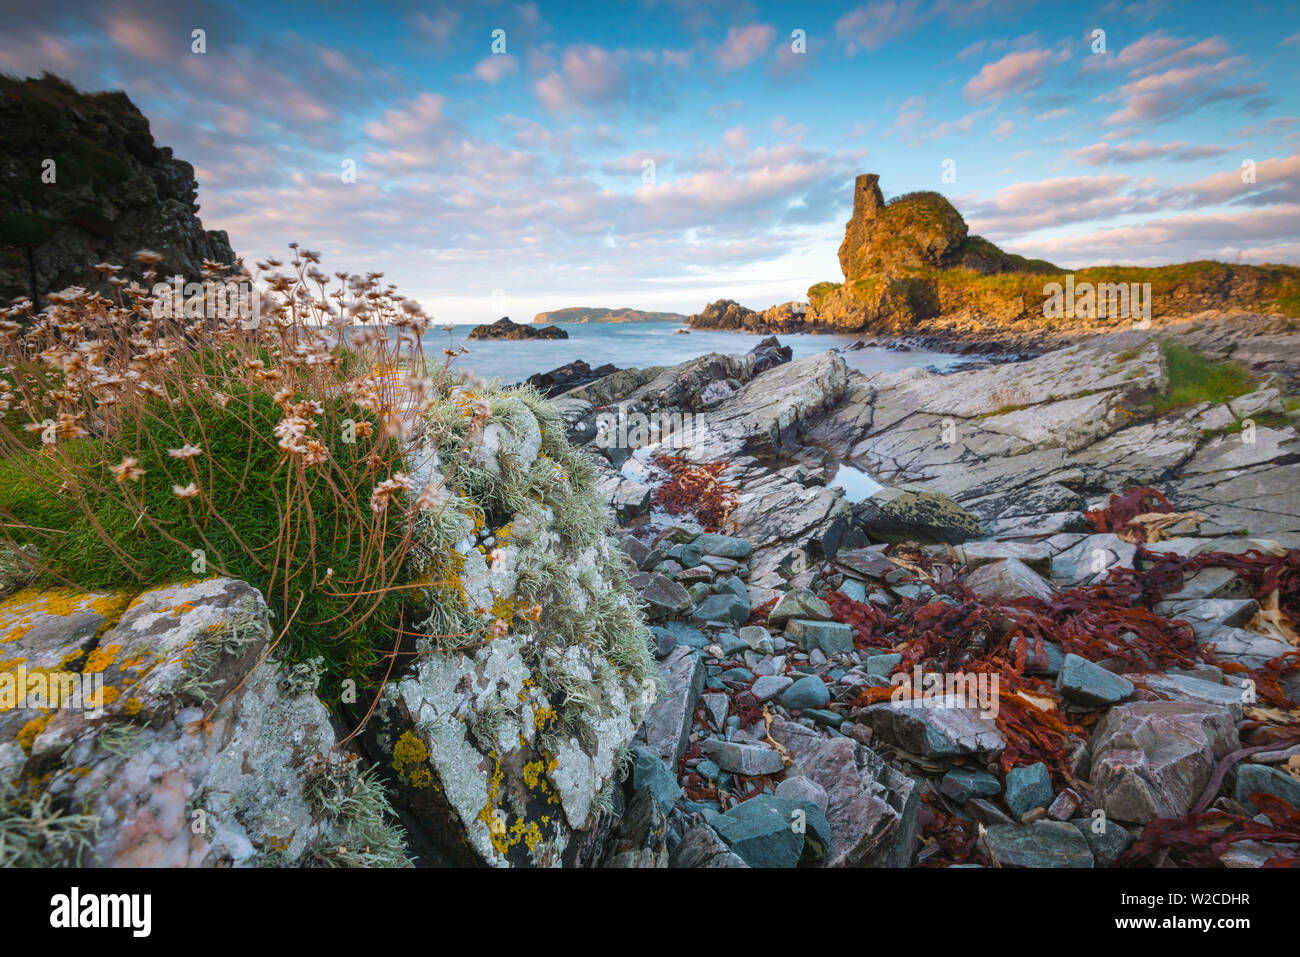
<point>508,183</point>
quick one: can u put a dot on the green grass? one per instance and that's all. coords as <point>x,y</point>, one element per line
<point>1194,379</point>
<point>245,481</point>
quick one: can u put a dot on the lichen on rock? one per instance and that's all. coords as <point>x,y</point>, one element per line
<point>533,667</point>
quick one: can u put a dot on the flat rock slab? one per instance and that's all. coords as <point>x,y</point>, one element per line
<point>747,759</point>
<point>829,637</point>
<point>1008,579</point>
<point>1187,688</point>
<point>949,729</point>
<point>1041,844</point>
<point>1035,555</point>
<point>667,724</point>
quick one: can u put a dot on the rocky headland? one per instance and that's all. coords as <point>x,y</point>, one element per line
<point>911,269</point>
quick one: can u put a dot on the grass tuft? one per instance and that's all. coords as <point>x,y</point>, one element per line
<point>1194,379</point>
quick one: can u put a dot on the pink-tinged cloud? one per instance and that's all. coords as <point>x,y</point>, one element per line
<point>736,138</point>
<point>1026,207</point>
<point>1004,129</point>
<point>1257,236</point>
<point>146,38</point>
<point>744,45</point>
<point>872,25</point>
<point>424,115</point>
<point>1159,96</point>
<point>439,26</point>
<point>1099,154</point>
<point>495,67</point>
<point>1275,181</point>
<point>1014,73</point>
<point>588,75</point>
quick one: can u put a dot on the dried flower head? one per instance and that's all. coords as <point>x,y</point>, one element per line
<point>128,470</point>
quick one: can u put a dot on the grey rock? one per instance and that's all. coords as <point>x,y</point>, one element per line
<point>1028,788</point>
<point>649,771</point>
<point>663,596</point>
<point>947,730</point>
<point>1252,778</point>
<point>667,724</point>
<point>799,788</point>
<point>767,831</point>
<point>1187,688</point>
<point>871,806</point>
<point>829,637</point>
<point>807,692</point>
<point>1006,580</point>
<point>700,846</point>
<point>1152,759</point>
<point>747,759</point>
<point>1106,839</point>
<point>1035,555</point>
<point>915,513</point>
<point>1085,683</point>
<point>962,784</point>
<point>1041,844</point>
<point>717,706</point>
<point>769,686</point>
<point>724,546</point>
<point>725,607</point>
<point>799,603</point>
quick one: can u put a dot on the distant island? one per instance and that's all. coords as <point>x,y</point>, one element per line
<point>599,314</point>
<point>506,328</point>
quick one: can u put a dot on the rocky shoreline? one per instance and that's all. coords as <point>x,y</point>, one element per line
<point>1021,615</point>
<point>785,643</point>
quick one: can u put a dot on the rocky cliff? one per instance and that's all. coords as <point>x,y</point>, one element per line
<point>911,268</point>
<point>83,182</point>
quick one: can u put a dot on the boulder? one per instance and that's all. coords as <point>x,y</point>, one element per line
<point>202,754</point>
<point>914,513</point>
<point>1007,580</point>
<point>948,729</point>
<point>871,807</point>
<point>1152,759</point>
<point>1040,844</point>
<point>768,831</point>
<point>1085,683</point>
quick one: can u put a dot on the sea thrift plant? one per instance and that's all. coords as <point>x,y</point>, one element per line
<point>142,445</point>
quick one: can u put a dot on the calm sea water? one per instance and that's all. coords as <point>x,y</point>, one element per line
<point>640,344</point>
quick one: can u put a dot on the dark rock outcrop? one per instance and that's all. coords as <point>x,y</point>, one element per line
<point>83,182</point>
<point>505,328</point>
<point>569,376</point>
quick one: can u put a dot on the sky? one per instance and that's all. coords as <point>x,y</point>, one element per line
<point>508,158</point>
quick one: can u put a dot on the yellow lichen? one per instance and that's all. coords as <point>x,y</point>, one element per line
<point>410,757</point>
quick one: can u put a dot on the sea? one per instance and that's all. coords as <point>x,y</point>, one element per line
<point>640,344</point>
